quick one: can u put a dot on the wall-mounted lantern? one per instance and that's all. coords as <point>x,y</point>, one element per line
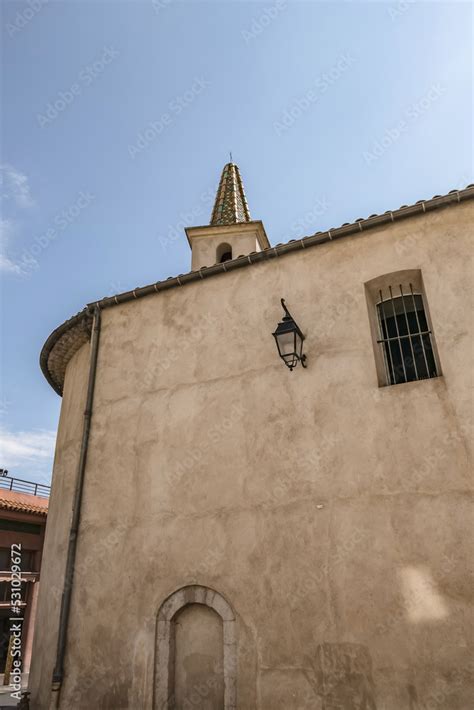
<point>289,340</point>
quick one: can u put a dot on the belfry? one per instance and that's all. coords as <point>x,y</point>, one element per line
<point>232,232</point>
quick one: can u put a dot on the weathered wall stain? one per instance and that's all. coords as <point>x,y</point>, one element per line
<point>342,677</point>
<point>412,697</point>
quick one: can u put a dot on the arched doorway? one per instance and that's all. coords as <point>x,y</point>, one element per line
<point>196,651</point>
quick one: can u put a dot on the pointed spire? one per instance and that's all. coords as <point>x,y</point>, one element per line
<point>230,206</point>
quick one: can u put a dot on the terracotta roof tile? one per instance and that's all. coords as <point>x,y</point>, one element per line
<point>23,502</point>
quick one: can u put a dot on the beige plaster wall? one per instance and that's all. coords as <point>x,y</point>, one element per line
<point>205,248</point>
<point>57,527</point>
<point>333,515</point>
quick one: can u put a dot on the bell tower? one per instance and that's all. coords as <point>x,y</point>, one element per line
<point>232,232</point>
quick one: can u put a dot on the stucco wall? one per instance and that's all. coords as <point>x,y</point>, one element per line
<point>57,527</point>
<point>332,514</point>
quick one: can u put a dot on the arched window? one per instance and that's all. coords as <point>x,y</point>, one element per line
<point>224,253</point>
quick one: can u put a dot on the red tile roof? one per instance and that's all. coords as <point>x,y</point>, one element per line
<point>23,502</point>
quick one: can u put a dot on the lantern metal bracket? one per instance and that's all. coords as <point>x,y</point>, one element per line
<point>288,315</point>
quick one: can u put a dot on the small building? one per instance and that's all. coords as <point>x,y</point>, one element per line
<point>236,526</point>
<point>23,512</point>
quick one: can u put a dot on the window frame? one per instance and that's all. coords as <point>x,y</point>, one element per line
<point>410,281</point>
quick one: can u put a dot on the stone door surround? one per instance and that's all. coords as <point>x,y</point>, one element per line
<point>164,680</point>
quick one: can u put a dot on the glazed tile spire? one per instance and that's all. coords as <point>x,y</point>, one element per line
<point>231,205</point>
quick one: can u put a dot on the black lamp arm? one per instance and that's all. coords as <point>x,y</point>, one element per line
<point>287,312</point>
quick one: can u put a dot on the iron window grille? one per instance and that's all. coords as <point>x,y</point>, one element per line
<point>405,337</point>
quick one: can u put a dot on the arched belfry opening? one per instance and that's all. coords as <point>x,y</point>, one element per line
<point>223,253</point>
<point>196,651</point>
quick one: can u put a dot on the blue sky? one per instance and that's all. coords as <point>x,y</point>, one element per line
<point>119,116</point>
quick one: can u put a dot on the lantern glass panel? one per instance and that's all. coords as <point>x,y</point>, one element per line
<point>286,343</point>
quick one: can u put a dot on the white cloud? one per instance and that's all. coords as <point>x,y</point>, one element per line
<point>9,266</point>
<point>15,186</point>
<point>7,228</point>
<point>15,195</point>
<point>29,450</point>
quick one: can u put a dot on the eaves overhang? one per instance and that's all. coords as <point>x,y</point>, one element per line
<point>71,335</point>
